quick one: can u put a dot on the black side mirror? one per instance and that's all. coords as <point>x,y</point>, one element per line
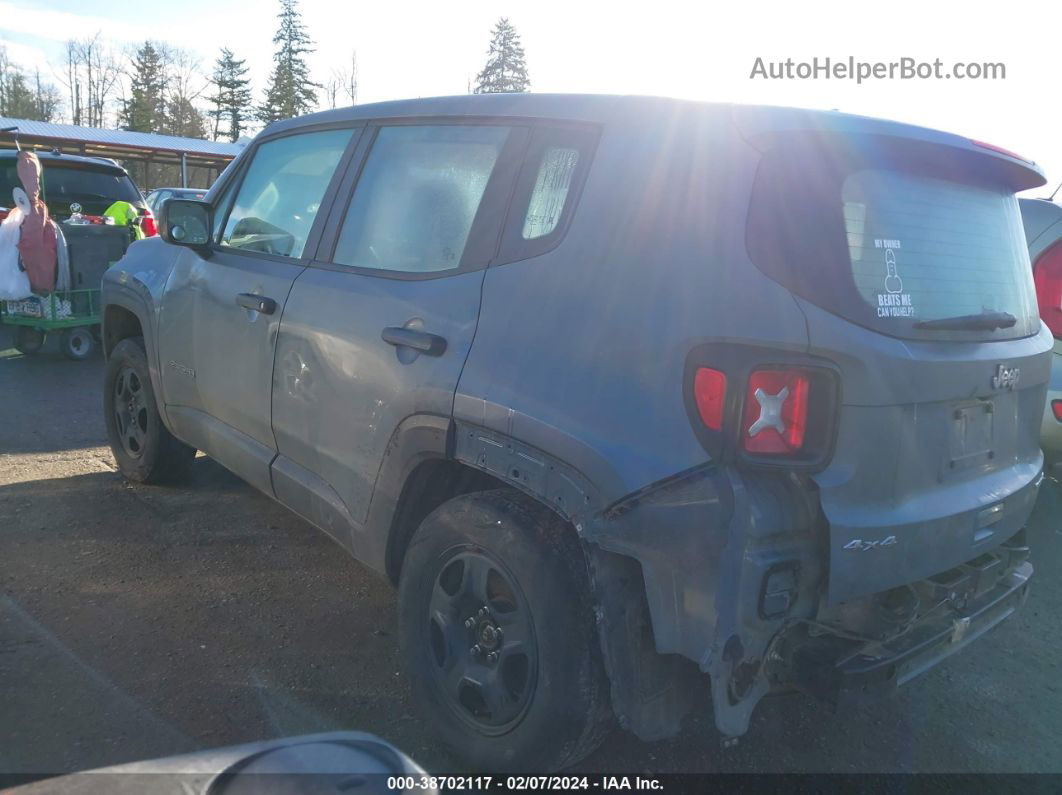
<point>185,222</point>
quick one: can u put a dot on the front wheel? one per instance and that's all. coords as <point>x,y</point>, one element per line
<point>143,448</point>
<point>498,634</point>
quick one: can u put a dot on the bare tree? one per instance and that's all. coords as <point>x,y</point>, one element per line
<point>48,99</point>
<point>343,82</point>
<point>6,68</point>
<point>25,96</point>
<point>93,74</point>
<point>72,82</point>
<point>186,86</point>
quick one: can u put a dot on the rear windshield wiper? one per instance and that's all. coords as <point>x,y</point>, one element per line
<point>986,321</point>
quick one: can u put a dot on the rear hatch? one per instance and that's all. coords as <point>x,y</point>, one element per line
<point>904,247</point>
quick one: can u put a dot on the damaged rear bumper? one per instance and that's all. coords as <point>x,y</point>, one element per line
<point>841,671</point>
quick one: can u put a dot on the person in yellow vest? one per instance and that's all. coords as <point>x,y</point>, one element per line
<point>125,214</point>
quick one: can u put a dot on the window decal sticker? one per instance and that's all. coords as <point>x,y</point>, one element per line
<point>894,302</point>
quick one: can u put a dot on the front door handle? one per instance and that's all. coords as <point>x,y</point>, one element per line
<point>258,303</point>
<point>428,344</point>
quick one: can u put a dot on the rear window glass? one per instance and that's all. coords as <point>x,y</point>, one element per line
<point>889,248</point>
<point>63,184</point>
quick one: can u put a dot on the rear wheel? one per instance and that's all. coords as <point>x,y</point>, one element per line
<point>144,449</point>
<point>77,343</point>
<point>498,634</point>
<point>28,340</point>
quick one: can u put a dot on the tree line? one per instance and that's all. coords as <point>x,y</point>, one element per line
<point>156,88</point>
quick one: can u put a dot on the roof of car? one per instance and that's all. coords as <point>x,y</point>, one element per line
<point>754,121</point>
<point>47,157</point>
<point>586,107</point>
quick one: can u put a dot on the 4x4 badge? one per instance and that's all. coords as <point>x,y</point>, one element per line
<point>861,545</point>
<point>1006,378</point>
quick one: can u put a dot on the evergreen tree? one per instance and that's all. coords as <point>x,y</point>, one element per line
<point>145,110</point>
<point>184,119</point>
<point>231,100</point>
<point>290,91</point>
<point>17,99</point>
<point>506,69</point>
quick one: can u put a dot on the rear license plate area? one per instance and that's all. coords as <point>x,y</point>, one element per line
<point>970,436</point>
<point>28,307</point>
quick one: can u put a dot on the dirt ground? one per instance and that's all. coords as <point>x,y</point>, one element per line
<point>138,622</point>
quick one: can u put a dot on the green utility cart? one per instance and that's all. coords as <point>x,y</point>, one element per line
<point>74,313</point>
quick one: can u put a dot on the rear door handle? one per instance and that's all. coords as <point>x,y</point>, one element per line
<point>428,344</point>
<point>259,303</point>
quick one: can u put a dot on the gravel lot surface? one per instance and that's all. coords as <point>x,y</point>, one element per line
<point>138,622</point>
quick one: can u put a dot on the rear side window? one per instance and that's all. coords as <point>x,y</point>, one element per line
<point>888,247</point>
<point>547,192</point>
<point>281,192</point>
<point>418,196</point>
<point>548,197</point>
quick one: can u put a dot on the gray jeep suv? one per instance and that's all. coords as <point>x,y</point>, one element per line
<point>629,396</point>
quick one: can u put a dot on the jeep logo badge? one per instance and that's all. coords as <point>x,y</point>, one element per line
<point>1005,378</point>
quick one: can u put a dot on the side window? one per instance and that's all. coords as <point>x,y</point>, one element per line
<point>548,190</point>
<point>554,179</point>
<point>281,192</point>
<point>417,197</point>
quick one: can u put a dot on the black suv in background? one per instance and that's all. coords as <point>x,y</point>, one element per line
<point>93,183</point>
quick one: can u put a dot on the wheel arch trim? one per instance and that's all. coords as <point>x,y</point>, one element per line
<point>122,295</point>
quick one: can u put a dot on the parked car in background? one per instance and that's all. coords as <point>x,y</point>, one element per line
<point>75,184</point>
<point>632,398</point>
<point>156,197</point>
<point>1043,232</point>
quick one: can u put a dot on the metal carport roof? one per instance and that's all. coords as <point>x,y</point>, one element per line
<point>120,144</point>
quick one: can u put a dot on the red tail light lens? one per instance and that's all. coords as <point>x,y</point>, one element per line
<point>775,419</point>
<point>3,213</point>
<point>147,224</point>
<point>709,393</point>
<point>1056,409</point>
<point>1047,273</point>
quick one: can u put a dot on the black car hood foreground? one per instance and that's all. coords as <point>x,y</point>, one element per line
<point>330,762</point>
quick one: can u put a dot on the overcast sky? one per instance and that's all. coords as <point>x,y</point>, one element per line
<point>700,50</point>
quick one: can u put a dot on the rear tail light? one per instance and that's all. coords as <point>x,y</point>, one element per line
<point>1056,409</point>
<point>709,394</point>
<point>775,420</point>
<point>147,224</point>
<point>3,213</point>
<point>779,414</point>
<point>1047,273</point>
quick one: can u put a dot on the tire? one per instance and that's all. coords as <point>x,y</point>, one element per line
<point>514,570</point>
<point>146,452</point>
<point>77,343</point>
<point>28,340</point>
